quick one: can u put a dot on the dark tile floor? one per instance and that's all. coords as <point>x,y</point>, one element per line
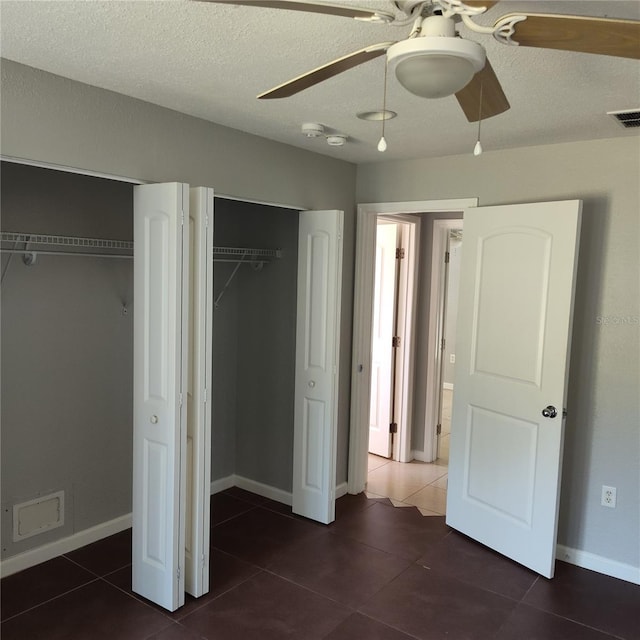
<point>377,573</point>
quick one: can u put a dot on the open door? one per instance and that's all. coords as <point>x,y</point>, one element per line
<point>159,373</point>
<point>317,354</point>
<point>198,487</point>
<point>384,315</point>
<point>513,340</point>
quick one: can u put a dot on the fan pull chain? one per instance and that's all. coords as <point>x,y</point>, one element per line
<point>477,150</point>
<point>382,145</point>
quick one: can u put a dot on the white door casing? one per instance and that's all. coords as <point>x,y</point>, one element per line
<point>317,357</point>
<point>435,333</point>
<point>406,294</point>
<point>513,339</point>
<point>199,409</point>
<point>382,333</point>
<point>362,312</point>
<point>160,360</point>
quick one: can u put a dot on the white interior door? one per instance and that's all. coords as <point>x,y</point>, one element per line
<point>198,474</point>
<point>513,339</point>
<point>317,351</point>
<point>160,358</point>
<point>381,350</point>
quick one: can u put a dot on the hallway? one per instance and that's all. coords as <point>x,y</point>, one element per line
<point>419,484</point>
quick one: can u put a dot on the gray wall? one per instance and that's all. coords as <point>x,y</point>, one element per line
<point>66,397</point>
<point>602,444</point>
<point>254,346</point>
<point>51,119</point>
<point>423,311</point>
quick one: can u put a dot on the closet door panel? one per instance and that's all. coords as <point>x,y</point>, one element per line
<point>199,391</point>
<point>317,350</point>
<point>159,433</point>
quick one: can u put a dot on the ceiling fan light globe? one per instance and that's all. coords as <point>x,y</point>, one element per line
<point>435,67</point>
<point>434,76</point>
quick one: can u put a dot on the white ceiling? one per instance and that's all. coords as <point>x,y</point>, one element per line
<point>210,61</point>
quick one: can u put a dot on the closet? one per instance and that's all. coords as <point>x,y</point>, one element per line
<point>254,342</point>
<point>68,345</point>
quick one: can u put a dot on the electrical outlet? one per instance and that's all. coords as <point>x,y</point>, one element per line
<point>452,358</point>
<point>608,498</point>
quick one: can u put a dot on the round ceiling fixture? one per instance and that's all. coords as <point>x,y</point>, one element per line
<point>336,140</point>
<point>312,130</point>
<point>436,63</point>
<point>376,116</point>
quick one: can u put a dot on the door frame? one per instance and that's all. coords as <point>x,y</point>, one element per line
<point>405,294</point>
<point>435,332</point>
<point>364,283</point>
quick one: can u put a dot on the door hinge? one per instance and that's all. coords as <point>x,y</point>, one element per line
<point>438,429</point>
<point>178,574</point>
<point>442,343</point>
<point>399,253</point>
<point>446,257</point>
<point>393,427</point>
<point>395,342</point>
<point>206,220</point>
<point>180,399</point>
<point>205,395</point>
<point>182,218</point>
<point>204,560</point>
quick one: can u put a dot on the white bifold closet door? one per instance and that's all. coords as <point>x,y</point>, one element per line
<point>317,355</point>
<point>199,391</point>
<point>165,372</point>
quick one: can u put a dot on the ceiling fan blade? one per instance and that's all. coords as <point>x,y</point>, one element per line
<point>368,15</point>
<point>604,36</point>
<point>480,3</point>
<point>326,71</point>
<point>493,99</point>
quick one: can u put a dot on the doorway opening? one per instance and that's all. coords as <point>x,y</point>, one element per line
<point>393,320</point>
<point>415,475</point>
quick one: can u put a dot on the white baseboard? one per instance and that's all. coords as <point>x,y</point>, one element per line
<point>420,456</point>
<point>64,545</point>
<point>262,489</point>
<point>247,484</point>
<point>223,483</point>
<point>447,385</point>
<point>599,564</point>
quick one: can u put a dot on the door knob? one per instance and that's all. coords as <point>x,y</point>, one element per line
<point>549,412</point>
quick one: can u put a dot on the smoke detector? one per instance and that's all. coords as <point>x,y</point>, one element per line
<point>336,140</point>
<point>312,130</point>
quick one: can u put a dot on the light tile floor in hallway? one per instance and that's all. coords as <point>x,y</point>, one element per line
<point>417,484</point>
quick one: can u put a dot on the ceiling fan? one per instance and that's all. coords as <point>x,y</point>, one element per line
<point>433,61</point>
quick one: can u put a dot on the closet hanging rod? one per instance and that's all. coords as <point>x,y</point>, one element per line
<point>67,253</point>
<point>45,243</point>
<point>246,253</point>
<point>65,241</point>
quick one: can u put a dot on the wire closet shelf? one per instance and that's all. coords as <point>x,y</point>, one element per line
<point>38,243</point>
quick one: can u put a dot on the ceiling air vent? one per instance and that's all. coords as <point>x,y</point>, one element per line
<point>627,119</point>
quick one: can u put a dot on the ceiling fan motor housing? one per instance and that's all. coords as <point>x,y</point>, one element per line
<point>436,63</point>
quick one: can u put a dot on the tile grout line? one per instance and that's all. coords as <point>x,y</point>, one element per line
<point>574,621</point>
<point>60,595</point>
<point>409,635</point>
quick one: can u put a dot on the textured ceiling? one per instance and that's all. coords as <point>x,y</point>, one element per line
<point>210,61</point>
